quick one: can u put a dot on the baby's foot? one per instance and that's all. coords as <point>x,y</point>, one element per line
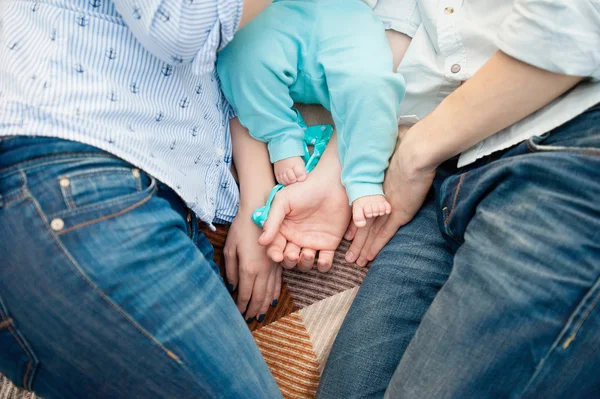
<point>368,207</point>
<point>290,170</point>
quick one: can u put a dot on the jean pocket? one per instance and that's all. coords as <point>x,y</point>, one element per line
<point>93,194</point>
<point>17,362</point>
<point>100,186</point>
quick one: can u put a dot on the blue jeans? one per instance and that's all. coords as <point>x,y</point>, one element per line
<point>107,288</point>
<point>491,291</point>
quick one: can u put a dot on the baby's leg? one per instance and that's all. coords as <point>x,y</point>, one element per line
<point>365,95</point>
<point>256,70</point>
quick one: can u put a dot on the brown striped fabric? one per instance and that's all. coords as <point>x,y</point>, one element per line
<point>296,336</point>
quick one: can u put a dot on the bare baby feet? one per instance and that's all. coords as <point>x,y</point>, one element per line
<point>290,170</point>
<point>368,207</point>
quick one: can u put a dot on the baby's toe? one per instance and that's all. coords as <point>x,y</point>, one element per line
<point>358,216</point>
<point>368,210</point>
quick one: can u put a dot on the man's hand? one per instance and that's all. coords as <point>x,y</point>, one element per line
<point>405,188</point>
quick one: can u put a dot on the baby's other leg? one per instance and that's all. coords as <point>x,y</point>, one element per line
<point>256,70</point>
<point>290,170</point>
<point>369,206</point>
<point>365,94</point>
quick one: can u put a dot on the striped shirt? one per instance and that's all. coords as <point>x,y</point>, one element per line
<point>134,78</point>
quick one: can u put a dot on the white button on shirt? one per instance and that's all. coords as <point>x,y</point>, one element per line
<point>452,39</point>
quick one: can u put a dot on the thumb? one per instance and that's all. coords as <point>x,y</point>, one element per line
<point>279,209</point>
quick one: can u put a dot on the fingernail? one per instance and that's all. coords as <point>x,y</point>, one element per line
<point>274,303</point>
<point>261,318</point>
<point>250,320</point>
<point>230,287</point>
<point>347,234</point>
<point>349,256</point>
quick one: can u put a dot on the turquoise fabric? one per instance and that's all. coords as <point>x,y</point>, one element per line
<point>329,52</point>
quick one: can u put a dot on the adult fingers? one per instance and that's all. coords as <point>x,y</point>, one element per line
<point>325,261</point>
<point>268,295</point>
<point>352,228</point>
<point>307,259</point>
<point>279,208</point>
<point>259,292</point>
<point>278,281</point>
<point>382,236</point>
<point>275,250</point>
<point>291,255</point>
<point>231,267</point>
<point>358,243</point>
<point>245,287</point>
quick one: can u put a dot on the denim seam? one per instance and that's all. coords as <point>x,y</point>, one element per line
<point>30,356</point>
<point>68,196</point>
<point>22,189</point>
<point>449,214</point>
<point>52,159</point>
<point>102,204</point>
<point>569,332</point>
<point>593,152</point>
<point>99,292</point>
<point>112,215</point>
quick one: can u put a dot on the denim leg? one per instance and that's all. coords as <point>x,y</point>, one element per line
<point>400,285</point>
<point>518,315</point>
<point>107,291</point>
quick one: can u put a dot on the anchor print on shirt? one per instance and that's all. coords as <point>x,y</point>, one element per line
<point>53,35</point>
<point>194,131</point>
<point>79,68</point>
<point>137,14</point>
<point>172,145</point>
<point>134,88</point>
<point>35,6</point>
<point>112,96</point>
<point>164,15</point>
<point>197,159</point>
<point>177,59</point>
<point>13,46</point>
<point>167,70</point>
<point>95,3</point>
<point>83,20</point>
<point>159,116</point>
<point>199,89</point>
<point>111,54</point>
<point>184,102</point>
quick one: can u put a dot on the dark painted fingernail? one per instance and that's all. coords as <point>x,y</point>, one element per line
<point>230,287</point>
<point>274,303</point>
<point>250,320</point>
<point>261,318</point>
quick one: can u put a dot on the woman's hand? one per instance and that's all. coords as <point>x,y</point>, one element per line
<point>257,278</point>
<point>405,187</point>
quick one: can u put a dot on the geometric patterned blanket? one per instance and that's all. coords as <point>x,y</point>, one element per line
<point>296,336</point>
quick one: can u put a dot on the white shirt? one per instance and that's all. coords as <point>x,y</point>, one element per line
<point>452,39</point>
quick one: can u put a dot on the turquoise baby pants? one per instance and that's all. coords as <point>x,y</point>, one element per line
<point>329,52</point>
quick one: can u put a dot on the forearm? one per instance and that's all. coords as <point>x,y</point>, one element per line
<point>255,173</point>
<point>501,93</point>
